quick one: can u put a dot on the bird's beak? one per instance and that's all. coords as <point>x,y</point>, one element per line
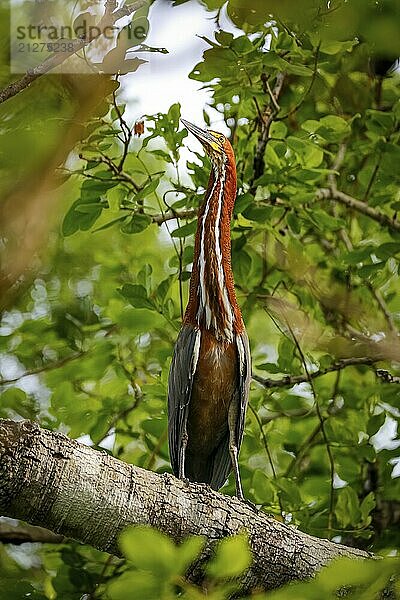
<point>204,136</point>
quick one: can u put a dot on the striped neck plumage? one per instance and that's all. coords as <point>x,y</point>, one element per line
<point>212,303</point>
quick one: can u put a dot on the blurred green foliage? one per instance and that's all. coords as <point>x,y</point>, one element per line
<point>87,343</point>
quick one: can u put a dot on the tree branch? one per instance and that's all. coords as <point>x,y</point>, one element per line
<point>266,121</point>
<point>290,380</point>
<point>387,377</point>
<point>71,489</point>
<point>48,367</point>
<point>57,58</point>
<point>359,206</point>
<point>21,534</point>
<point>168,216</point>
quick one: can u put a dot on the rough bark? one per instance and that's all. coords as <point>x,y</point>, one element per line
<point>71,489</point>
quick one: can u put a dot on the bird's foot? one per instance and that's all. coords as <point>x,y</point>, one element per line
<point>248,503</point>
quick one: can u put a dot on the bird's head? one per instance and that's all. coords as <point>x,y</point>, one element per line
<point>216,145</point>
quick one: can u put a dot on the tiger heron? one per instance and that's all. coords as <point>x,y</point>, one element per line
<point>210,372</point>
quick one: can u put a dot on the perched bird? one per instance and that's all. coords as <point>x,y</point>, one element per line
<point>210,372</point>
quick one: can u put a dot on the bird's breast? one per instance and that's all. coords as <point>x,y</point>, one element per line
<point>214,385</point>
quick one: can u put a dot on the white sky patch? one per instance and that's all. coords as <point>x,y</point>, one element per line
<point>338,482</point>
<point>108,442</point>
<point>396,466</point>
<point>164,80</point>
<point>10,367</point>
<point>385,437</point>
<point>303,390</point>
<point>85,439</point>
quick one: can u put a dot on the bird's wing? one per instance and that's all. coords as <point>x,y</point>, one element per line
<point>180,383</point>
<point>222,464</point>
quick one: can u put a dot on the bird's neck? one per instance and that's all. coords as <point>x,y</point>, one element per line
<point>212,300</point>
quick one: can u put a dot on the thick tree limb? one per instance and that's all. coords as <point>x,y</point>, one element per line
<point>71,489</point>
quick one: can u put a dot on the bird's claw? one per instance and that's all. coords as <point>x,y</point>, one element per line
<point>248,503</point>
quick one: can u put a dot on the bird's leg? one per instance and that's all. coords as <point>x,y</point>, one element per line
<point>182,454</point>
<point>233,449</point>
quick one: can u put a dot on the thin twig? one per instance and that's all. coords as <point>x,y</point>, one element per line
<point>302,450</point>
<point>49,367</point>
<point>267,450</point>
<point>322,427</point>
<point>308,90</point>
<point>290,380</point>
<point>332,193</point>
<point>347,241</point>
<point>266,121</point>
<point>383,306</point>
<point>168,216</point>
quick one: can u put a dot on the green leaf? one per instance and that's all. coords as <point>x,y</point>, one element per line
<point>144,276</point>
<point>136,295</point>
<point>242,202</point>
<point>297,69</point>
<point>162,154</point>
<point>136,223</point>
<point>146,586</point>
<point>188,551</point>
<point>263,488</point>
<point>149,550</point>
<point>271,157</point>
<point>185,230</point>
<point>334,47</point>
<point>147,190</point>
<point>261,214</point>
<point>92,189</point>
<point>358,255</point>
<point>278,130</point>
<point>231,559</point>
<point>366,507</point>
<point>224,38</point>
<point>308,152</point>
<point>174,114</point>
<point>16,400</point>
<point>347,509</point>
<point>269,367</point>
<point>388,250</point>
<point>294,222</point>
<point>242,266</point>
<point>375,422</point>
<point>163,288</point>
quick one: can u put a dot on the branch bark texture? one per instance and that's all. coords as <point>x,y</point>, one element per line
<point>73,490</point>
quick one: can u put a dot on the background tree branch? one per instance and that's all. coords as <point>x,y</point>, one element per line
<point>290,380</point>
<point>359,206</point>
<point>73,490</point>
<point>21,534</point>
<point>57,58</point>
